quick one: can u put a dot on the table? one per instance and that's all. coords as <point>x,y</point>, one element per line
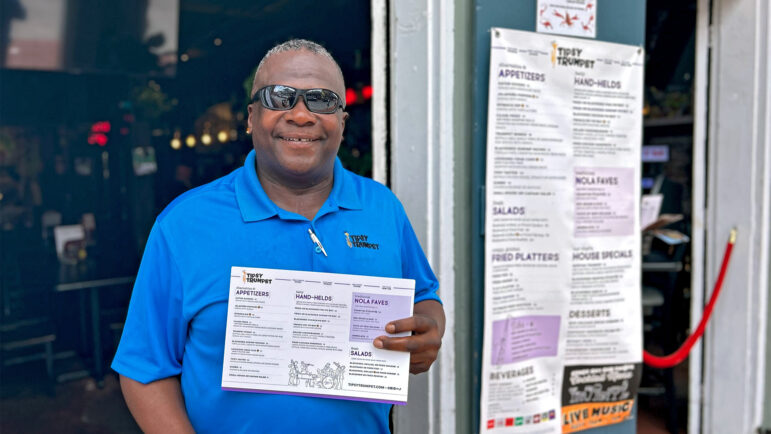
<point>87,277</point>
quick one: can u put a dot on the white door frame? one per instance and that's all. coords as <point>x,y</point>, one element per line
<point>738,195</point>
<point>420,68</point>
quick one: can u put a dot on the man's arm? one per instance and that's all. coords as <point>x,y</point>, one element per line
<point>158,407</point>
<point>427,327</point>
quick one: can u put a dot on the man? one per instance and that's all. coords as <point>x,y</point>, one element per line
<point>171,354</point>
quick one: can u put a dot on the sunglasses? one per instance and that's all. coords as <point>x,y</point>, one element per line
<point>282,98</point>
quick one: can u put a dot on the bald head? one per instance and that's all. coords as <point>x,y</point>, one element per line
<point>294,45</point>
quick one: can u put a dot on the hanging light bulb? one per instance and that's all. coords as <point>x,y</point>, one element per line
<point>175,142</point>
<point>222,136</point>
<point>190,140</point>
<point>206,139</point>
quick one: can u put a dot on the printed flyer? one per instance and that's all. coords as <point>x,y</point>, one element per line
<point>567,17</point>
<point>310,334</point>
<point>563,330</point>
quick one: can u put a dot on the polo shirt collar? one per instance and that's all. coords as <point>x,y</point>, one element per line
<point>255,204</point>
<point>344,193</point>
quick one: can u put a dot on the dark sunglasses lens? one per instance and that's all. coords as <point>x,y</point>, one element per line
<point>322,100</point>
<point>279,97</point>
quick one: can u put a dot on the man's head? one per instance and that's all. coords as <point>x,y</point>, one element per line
<point>297,146</point>
<point>294,45</point>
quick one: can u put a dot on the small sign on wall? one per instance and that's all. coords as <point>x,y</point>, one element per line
<point>567,17</point>
<point>655,153</point>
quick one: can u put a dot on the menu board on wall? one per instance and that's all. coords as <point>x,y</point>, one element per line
<point>563,331</point>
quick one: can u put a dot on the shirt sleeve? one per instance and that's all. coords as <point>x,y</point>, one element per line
<point>416,266</point>
<point>153,339</point>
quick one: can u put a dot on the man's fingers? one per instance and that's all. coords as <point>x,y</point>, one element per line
<point>423,345</point>
<point>419,368</point>
<point>425,341</point>
<point>420,362</point>
<point>418,324</point>
<point>411,344</point>
<point>421,357</point>
<point>404,343</point>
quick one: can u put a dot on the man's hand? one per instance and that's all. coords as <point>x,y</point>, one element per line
<point>427,327</point>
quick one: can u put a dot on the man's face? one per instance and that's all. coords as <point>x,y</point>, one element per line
<point>297,144</point>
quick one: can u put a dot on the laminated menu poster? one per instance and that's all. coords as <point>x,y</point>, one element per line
<point>310,334</point>
<point>563,331</point>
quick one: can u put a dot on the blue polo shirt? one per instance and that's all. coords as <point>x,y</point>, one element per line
<point>177,316</point>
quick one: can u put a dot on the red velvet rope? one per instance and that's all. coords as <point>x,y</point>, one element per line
<point>682,352</point>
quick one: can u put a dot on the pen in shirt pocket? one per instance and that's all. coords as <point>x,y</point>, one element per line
<point>316,241</point>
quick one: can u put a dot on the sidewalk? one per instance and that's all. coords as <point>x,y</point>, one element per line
<point>78,406</point>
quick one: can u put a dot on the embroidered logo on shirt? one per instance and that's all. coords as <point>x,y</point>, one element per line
<point>360,241</point>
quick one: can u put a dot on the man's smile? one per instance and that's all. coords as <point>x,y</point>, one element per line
<point>299,139</point>
<point>294,139</point>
